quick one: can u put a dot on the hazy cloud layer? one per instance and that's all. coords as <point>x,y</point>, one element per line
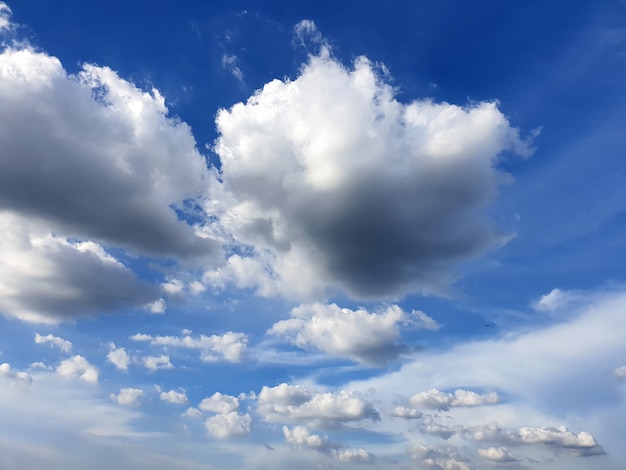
<point>335,183</point>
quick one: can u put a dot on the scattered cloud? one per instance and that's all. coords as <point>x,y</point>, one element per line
<point>229,347</point>
<point>118,357</point>
<point>367,338</point>
<point>5,16</point>
<point>229,425</point>
<point>154,363</point>
<point>20,377</point>
<point>306,162</point>
<point>78,367</point>
<point>294,404</point>
<point>178,398</point>
<point>438,400</point>
<point>63,344</point>
<point>620,372</point>
<point>497,454</point>
<point>128,396</point>
<point>219,403</point>
<point>229,63</point>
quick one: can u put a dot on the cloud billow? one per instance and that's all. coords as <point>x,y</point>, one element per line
<point>336,183</point>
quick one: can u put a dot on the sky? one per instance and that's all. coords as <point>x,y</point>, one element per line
<point>338,235</point>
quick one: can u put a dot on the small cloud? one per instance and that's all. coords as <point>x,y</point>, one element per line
<point>192,412</point>
<point>178,398</point>
<point>229,63</point>
<point>19,377</point>
<point>438,400</point>
<point>154,363</point>
<point>157,307</point>
<point>219,403</point>
<point>62,344</point>
<point>118,357</point>
<point>497,454</point>
<point>620,372</point>
<point>128,397</point>
<point>5,16</point>
<point>78,367</point>
<point>229,425</point>
<point>555,300</point>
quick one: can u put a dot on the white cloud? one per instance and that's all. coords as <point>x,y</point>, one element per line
<point>301,436</point>
<point>19,377</point>
<point>178,398</point>
<point>192,412</point>
<point>306,162</point>
<point>229,62</point>
<point>294,404</point>
<point>128,396</point>
<point>157,307</point>
<point>229,347</point>
<point>219,403</point>
<point>354,455</point>
<point>63,344</point>
<point>79,367</point>
<point>497,454</point>
<point>438,400</point>
<point>153,363</point>
<point>118,357</point>
<point>5,16</point>
<point>365,337</point>
<point>71,140</point>
<point>110,142</point>
<point>229,425</point>
<point>46,278</point>
<point>404,412</point>
<point>620,372</point>
<point>556,300</point>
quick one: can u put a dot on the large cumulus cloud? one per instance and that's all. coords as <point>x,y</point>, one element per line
<point>95,157</point>
<point>334,183</point>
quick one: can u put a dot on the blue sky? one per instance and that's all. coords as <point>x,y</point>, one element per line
<point>323,235</point>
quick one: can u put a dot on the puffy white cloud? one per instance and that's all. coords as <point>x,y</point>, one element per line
<point>438,400</point>
<point>153,363</point>
<point>178,398</point>
<point>128,396</point>
<point>404,412</point>
<point>293,404</point>
<point>365,337</point>
<point>301,436</point>
<point>96,157</point>
<point>78,366</point>
<point>497,454</point>
<point>20,377</point>
<point>581,444</point>
<point>118,357</point>
<point>229,347</point>
<point>219,403</point>
<point>333,183</point>
<point>620,372</point>
<point>63,344</point>
<point>192,412</point>
<point>439,457</point>
<point>47,278</point>
<point>557,300</point>
<point>229,425</point>
<point>354,455</point>
<point>158,306</point>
